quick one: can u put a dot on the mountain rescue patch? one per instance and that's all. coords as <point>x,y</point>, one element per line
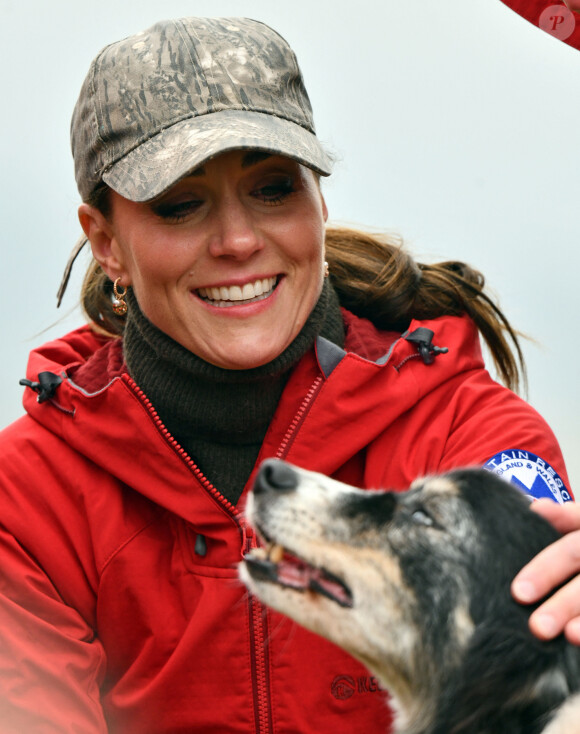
<point>530,473</point>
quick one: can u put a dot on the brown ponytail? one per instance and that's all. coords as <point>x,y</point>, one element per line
<point>376,278</point>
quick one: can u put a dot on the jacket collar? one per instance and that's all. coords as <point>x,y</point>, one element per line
<point>340,401</point>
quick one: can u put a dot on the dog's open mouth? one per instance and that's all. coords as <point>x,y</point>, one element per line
<point>274,564</point>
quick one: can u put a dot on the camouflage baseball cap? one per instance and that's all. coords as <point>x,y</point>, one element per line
<point>158,104</point>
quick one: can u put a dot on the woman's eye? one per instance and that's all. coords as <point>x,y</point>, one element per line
<point>274,192</point>
<point>420,517</point>
<point>178,210</point>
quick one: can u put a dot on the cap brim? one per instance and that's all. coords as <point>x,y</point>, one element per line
<point>155,165</point>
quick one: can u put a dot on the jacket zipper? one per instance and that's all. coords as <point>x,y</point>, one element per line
<point>299,418</point>
<point>259,663</point>
<point>199,475</point>
<point>257,613</point>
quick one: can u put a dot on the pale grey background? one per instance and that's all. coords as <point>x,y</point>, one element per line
<point>455,123</point>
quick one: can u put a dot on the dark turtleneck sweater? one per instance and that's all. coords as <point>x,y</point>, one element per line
<point>219,416</point>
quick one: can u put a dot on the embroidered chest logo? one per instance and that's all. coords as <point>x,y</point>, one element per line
<point>530,473</point>
<point>345,686</point>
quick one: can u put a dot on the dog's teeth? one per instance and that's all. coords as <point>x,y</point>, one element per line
<point>260,553</point>
<point>276,553</point>
<point>269,552</point>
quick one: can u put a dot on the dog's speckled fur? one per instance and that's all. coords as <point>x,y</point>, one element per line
<point>430,611</point>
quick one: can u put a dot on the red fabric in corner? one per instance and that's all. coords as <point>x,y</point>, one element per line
<point>531,10</point>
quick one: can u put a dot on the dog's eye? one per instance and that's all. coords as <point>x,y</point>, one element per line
<point>420,517</point>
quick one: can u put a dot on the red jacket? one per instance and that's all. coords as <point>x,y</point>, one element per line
<point>120,608</point>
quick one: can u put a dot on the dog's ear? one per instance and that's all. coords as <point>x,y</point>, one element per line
<point>503,516</point>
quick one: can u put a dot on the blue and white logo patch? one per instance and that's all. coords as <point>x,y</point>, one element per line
<point>528,472</point>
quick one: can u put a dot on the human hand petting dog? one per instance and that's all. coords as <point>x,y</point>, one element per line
<point>550,568</point>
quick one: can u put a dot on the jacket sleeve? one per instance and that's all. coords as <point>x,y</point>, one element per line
<point>51,664</point>
<point>470,420</point>
<point>490,426</point>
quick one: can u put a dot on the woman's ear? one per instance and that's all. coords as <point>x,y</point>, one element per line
<point>103,243</point>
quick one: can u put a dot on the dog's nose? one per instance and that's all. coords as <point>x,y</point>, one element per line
<point>277,475</point>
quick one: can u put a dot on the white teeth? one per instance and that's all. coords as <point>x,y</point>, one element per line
<point>248,292</point>
<point>260,553</point>
<point>276,553</point>
<point>235,293</point>
<point>270,552</point>
<point>259,289</point>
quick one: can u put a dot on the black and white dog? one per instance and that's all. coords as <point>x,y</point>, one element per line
<point>416,585</point>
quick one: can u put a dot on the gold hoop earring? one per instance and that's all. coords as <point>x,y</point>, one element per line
<point>326,269</point>
<point>119,305</point>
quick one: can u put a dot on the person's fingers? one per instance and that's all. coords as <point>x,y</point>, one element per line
<point>563,517</point>
<point>550,568</point>
<point>572,631</point>
<point>559,613</point>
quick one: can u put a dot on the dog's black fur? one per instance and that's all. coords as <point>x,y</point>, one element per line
<point>450,548</point>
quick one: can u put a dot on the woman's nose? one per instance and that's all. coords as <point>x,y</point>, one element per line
<point>236,234</point>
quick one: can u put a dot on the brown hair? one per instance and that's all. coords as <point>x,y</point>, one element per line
<point>376,278</point>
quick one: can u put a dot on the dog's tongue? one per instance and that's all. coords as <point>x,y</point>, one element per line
<point>297,574</point>
<point>292,572</point>
<point>287,570</point>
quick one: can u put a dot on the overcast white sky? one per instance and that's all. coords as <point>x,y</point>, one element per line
<point>455,124</point>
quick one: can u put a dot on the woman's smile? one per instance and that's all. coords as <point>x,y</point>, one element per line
<point>224,296</point>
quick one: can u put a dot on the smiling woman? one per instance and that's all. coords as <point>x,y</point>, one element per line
<point>226,325</point>
<point>195,255</point>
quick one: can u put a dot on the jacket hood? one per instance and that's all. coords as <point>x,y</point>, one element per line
<point>78,389</point>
